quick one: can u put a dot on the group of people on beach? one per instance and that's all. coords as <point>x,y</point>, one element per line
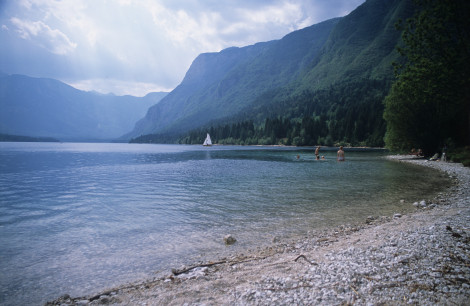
<point>417,153</point>
<point>435,157</point>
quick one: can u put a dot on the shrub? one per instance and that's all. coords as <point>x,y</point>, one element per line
<point>461,155</point>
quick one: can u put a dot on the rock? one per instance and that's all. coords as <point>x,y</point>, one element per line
<point>229,240</point>
<point>104,299</point>
<point>422,203</point>
<point>397,216</point>
<point>66,297</point>
<point>402,201</point>
<point>415,204</point>
<point>370,219</point>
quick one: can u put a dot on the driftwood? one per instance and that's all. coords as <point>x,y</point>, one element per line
<point>288,288</point>
<point>186,270</point>
<point>355,291</point>
<point>303,256</point>
<point>210,264</point>
<point>230,262</point>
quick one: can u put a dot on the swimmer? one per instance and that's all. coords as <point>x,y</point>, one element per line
<point>340,154</point>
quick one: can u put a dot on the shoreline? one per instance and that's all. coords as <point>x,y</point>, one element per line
<point>422,257</point>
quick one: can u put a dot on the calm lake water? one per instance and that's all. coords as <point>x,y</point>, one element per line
<point>79,218</point>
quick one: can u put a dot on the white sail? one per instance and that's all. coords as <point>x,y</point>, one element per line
<point>208,141</point>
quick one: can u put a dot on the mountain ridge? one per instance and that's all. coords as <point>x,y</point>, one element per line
<point>45,107</point>
<point>358,46</point>
<point>364,42</point>
<point>231,92</point>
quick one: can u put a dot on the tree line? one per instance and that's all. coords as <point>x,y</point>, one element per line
<point>429,103</point>
<point>349,114</point>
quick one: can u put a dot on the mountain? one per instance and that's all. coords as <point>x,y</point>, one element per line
<point>362,45</point>
<point>39,107</point>
<point>15,138</point>
<point>330,58</point>
<point>221,84</point>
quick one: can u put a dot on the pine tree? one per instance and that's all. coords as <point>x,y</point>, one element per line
<point>428,104</point>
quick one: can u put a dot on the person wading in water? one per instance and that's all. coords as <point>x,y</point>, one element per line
<point>340,154</point>
<point>317,152</point>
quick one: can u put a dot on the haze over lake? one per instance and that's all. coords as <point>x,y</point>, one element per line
<point>77,218</point>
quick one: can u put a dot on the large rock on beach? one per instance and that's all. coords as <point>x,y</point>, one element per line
<point>229,240</point>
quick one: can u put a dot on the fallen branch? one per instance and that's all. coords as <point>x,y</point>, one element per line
<point>385,285</point>
<point>186,270</point>
<point>233,262</point>
<point>245,260</point>
<point>370,278</point>
<point>357,293</point>
<point>303,256</point>
<point>287,289</point>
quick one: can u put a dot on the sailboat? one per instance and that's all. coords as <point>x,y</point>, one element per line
<point>208,141</point>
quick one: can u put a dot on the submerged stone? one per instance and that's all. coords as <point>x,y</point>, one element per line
<point>229,240</point>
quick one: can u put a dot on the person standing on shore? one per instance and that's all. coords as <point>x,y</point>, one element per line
<point>340,154</point>
<point>444,151</point>
<point>317,153</point>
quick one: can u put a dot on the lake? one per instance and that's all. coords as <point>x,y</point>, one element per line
<point>77,218</point>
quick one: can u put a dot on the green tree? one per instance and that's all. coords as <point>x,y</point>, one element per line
<point>429,104</point>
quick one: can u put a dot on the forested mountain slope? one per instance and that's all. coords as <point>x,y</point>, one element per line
<point>221,84</point>
<point>361,46</point>
<point>332,76</point>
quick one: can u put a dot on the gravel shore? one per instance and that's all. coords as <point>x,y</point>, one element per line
<point>420,258</point>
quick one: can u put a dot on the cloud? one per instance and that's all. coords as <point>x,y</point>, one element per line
<point>180,27</point>
<point>118,87</point>
<point>285,14</point>
<point>92,43</point>
<point>248,25</point>
<point>224,24</point>
<point>41,34</point>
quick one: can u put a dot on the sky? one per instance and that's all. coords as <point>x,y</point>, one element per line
<point>140,46</point>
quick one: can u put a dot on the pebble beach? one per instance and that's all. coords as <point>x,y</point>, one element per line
<point>420,258</point>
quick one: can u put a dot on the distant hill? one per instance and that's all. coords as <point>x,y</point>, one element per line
<point>314,72</point>
<point>15,138</point>
<point>39,107</point>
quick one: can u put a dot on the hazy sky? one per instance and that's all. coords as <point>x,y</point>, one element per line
<point>139,46</point>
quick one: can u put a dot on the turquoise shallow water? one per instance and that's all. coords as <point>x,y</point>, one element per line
<point>77,218</point>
